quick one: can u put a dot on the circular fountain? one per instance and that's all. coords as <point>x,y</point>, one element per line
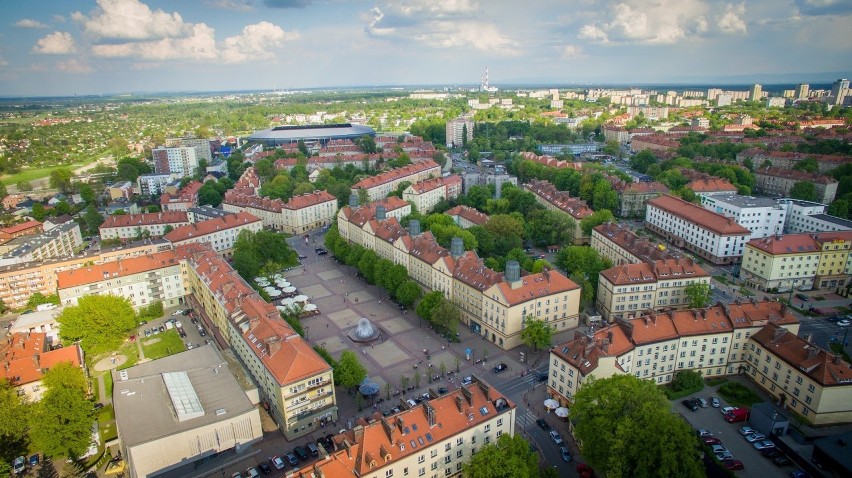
<point>364,332</point>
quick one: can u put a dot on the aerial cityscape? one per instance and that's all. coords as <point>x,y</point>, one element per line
<point>314,238</point>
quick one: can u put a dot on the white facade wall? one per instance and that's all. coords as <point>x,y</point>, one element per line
<point>701,238</point>
<point>762,221</point>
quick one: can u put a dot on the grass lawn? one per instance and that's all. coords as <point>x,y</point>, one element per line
<point>35,173</point>
<point>129,350</point>
<point>163,345</point>
<point>738,395</point>
<point>712,382</point>
<point>106,423</point>
<point>107,385</point>
<point>722,279</point>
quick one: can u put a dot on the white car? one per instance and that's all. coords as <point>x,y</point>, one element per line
<point>726,410</point>
<point>555,437</point>
<point>277,462</point>
<point>745,431</point>
<point>843,323</point>
<point>753,437</point>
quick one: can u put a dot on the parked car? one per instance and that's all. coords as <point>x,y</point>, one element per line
<point>193,320</point>
<point>237,475</point>
<point>202,332</point>
<point>585,471</point>
<point>737,415</point>
<point>291,459</point>
<point>187,312</point>
<point>302,257</point>
<point>701,402</point>
<point>252,473</point>
<point>467,380</point>
<point>277,462</point>
<point>690,404</point>
<point>265,468</point>
<point>714,402</point>
<point>726,410</point>
<point>733,465</point>
<point>301,453</point>
<point>782,461</point>
<point>799,474</point>
<point>179,311</point>
<point>803,297</point>
<point>312,449</point>
<point>771,453</point>
<point>555,437</point>
<point>704,433</point>
<point>321,252</point>
<point>747,431</point>
<point>19,464</point>
<point>499,368</point>
<point>711,441</point>
<point>34,460</point>
<point>753,437</point>
<point>843,323</point>
<point>763,444</point>
<point>566,457</point>
<point>543,424</point>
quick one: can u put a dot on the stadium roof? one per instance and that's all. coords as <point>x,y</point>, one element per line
<point>310,133</point>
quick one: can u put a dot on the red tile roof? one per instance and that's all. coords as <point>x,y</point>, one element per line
<point>821,366</point>
<point>362,214</point>
<point>583,352</point>
<point>471,270</point>
<point>634,245</point>
<point>785,244</point>
<point>146,219</point>
<point>16,228</point>
<point>469,214</point>
<point>309,199</point>
<point>234,198</point>
<point>395,174</point>
<point>25,356</point>
<point>210,226</point>
<point>795,175</point>
<point>534,286</point>
<point>645,272</point>
<point>119,268</point>
<point>699,216</point>
<point>574,207</point>
<point>711,185</point>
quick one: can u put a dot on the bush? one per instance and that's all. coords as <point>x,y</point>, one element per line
<point>153,311</point>
<point>325,356</point>
<point>712,382</point>
<point>738,395</point>
<point>687,380</point>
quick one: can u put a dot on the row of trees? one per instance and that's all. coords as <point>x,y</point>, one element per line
<point>262,253</point>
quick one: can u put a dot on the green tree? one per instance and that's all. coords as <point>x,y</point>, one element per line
<point>687,380</point>
<point>61,179</point>
<point>93,219</point>
<point>583,265</point>
<point>809,165</point>
<point>209,195</point>
<point>626,429</point>
<point>597,218</point>
<point>367,144</point>
<point>349,372</point>
<point>698,295</point>
<point>38,299</point>
<point>806,191</point>
<point>509,457</point>
<point>61,422</point>
<point>3,191</point>
<point>87,193</point>
<point>445,317</point>
<point>14,411</point>
<point>24,186</point>
<point>536,333</point>
<point>408,292</point>
<point>363,196</point>
<point>38,212</point>
<point>839,208</point>
<point>99,322</point>
<point>429,302</point>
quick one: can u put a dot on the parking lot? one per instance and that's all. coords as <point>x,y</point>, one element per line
<point>711,419</point>
<point>189,328</point>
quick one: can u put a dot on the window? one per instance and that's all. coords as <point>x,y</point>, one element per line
<point>447,447</point>
<point>487,428</point>
<point>421,458</point>
<point>389,473</point>
<point>459,453</point>
<point>421,472</point>
<point>811,388</point>
<point>433,454</point>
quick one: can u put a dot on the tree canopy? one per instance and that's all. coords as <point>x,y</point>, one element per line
<point>349,372</point>
<point>627,429</point>
<point>99,322</point>
<point>536,333</point>
<point>14,411</point>
<point>509,457</point>
<point>698,295</point>
<point>255,252</point>
<point>61,422</point>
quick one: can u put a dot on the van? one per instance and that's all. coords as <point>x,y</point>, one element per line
<point>169,326</point>
<point>301,453</point>
<point>312,448</point>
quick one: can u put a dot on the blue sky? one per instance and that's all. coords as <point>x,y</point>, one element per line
<point>63,47</point>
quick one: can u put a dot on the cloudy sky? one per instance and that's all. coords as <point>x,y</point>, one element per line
<point>63,47</point>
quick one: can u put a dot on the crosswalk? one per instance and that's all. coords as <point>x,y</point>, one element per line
<point>525,419</point>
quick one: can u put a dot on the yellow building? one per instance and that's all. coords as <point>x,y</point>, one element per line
<point>426,194</point>
<point>798,261</point>
<point>631,289</point>
<point>621,246</point>
<point>806,379</point>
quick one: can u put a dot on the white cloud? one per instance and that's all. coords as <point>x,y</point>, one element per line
<point>255,42</point>
<point>74,66</point>
<point>238,5</point>
<point>731,21</point>
<point>57,43</point>
<point>200,44</point>
<point>30,23</point>
<point>450,24</point>
<point>571,51</point>
<point>58,19</point>
<point>658,22</point>
<point>132,20</point>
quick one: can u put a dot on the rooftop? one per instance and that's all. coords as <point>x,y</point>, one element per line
<point>699,216</point>
<point>210,226</point>
<point>645,272</point>
<point>24,357</point>
<point>833,220</point>
<point>118,268</point>
<point>634,245</point>
<point>744,201</point>
<point>469,214</point>
<point>533,286</point>
<point>821,366</point>
<point>145,219</point>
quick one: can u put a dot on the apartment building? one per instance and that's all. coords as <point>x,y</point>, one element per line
<point>762,216</point>
<point>221,233</point>
<point>28,228</point>
<point>203,213</point>
<point>457,128</point>
<point>632,289</point>
<point>432,439</point>
<point>181,160</point>
<point>131,226</point>
<point>203,147</point>
<point>25,356</point>
<point>351,219</point>
<point>63,240</point>
<point>713,237</point>
<point>466,216</point>
<point>656,346</point>
<point>804,378</point>
<point>788,159</point>
<point>426,194</point>
<point>621,246</point>
<point>300,214</point>
<point>711,186</point>
<point>141,280</point>
<point>492,305</point>
<point>779,182</point>
<point>154,184</point>
<point>183,200</point>
<point>781,263</point>
<point>379,186</point>
<point>295,382</point>
<point>632,197</point>
<point>807,216</point>
<point>555,200</point>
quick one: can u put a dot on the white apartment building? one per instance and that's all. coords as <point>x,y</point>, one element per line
<point>141,280</point>
<point>762,216</point>
<point>456,129</point>
<point>63,240</point>
<point>181,161</point>
<point>129,226</point>
<point>154,184</point>
<point>426,194</point>
<point>715,238</point>
<point>221,233</point>
<point>806,216</point>
<point>379,186</point>
<point>201,145</point>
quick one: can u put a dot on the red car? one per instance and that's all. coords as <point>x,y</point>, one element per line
<point>733,465</point>
<point>585,470</point>
<point>711,441</point>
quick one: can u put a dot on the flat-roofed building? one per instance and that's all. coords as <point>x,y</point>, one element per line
<point>621,246</point>
<point>713,237</point>
<point>434,438</point>
<point>25,356</point>
<point>174,411</point>
<point>154,183</point>
<point>632,289</point>
<point>180,160</point>
<point>762,216</point>
<point>221,233</point>
<point>656,346</point>
<point>126,227</point>
<point>203,213</point>
<point>459,131</point>
<point>779,182</point>
<point>555,200</point>
<point>814,383</point>
<point>140,280</point>
<point>61,241</point>
<point>381,185</point>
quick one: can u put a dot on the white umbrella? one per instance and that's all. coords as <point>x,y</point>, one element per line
<point>282,283</point>
<point>277,276</point>
<point>551,404</point>
<point>260,279</point>
<point>290,289</point>
<point>281,308</point>
<point>287,301</point>
<point>561,412</point>
<point>268,288</point>
<point>301,298</point>
<point>274,293</point>
<point>310,308</point>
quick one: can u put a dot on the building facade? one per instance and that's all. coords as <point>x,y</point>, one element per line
<point>456,130</point>
<point>762,216</point>
<point>713,237</point>
<point>779,182</point>
<point>63,240</point>
<point>180,161</point>
<point>220,233</point>
<point>379,186</point>
<point>126,227</point>
<point>621,246</point>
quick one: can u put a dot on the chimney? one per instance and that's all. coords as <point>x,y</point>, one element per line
<point>430,414</point>
<point>400,423</point>
<point>812,351</point>
<point>347,445</point>
<point>388,429</point>
<point>359,433</point>
<point>459,404</point>
<point>353,201</point>
<point>381,212</point>
<point>273,344</point>
<point>513,272</point>
<point>414,227</point>
<point>456,247</point>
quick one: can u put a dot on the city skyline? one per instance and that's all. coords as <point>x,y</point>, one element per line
<point>117,46</point>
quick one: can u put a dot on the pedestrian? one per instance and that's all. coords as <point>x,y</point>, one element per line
<point>326,325</point>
